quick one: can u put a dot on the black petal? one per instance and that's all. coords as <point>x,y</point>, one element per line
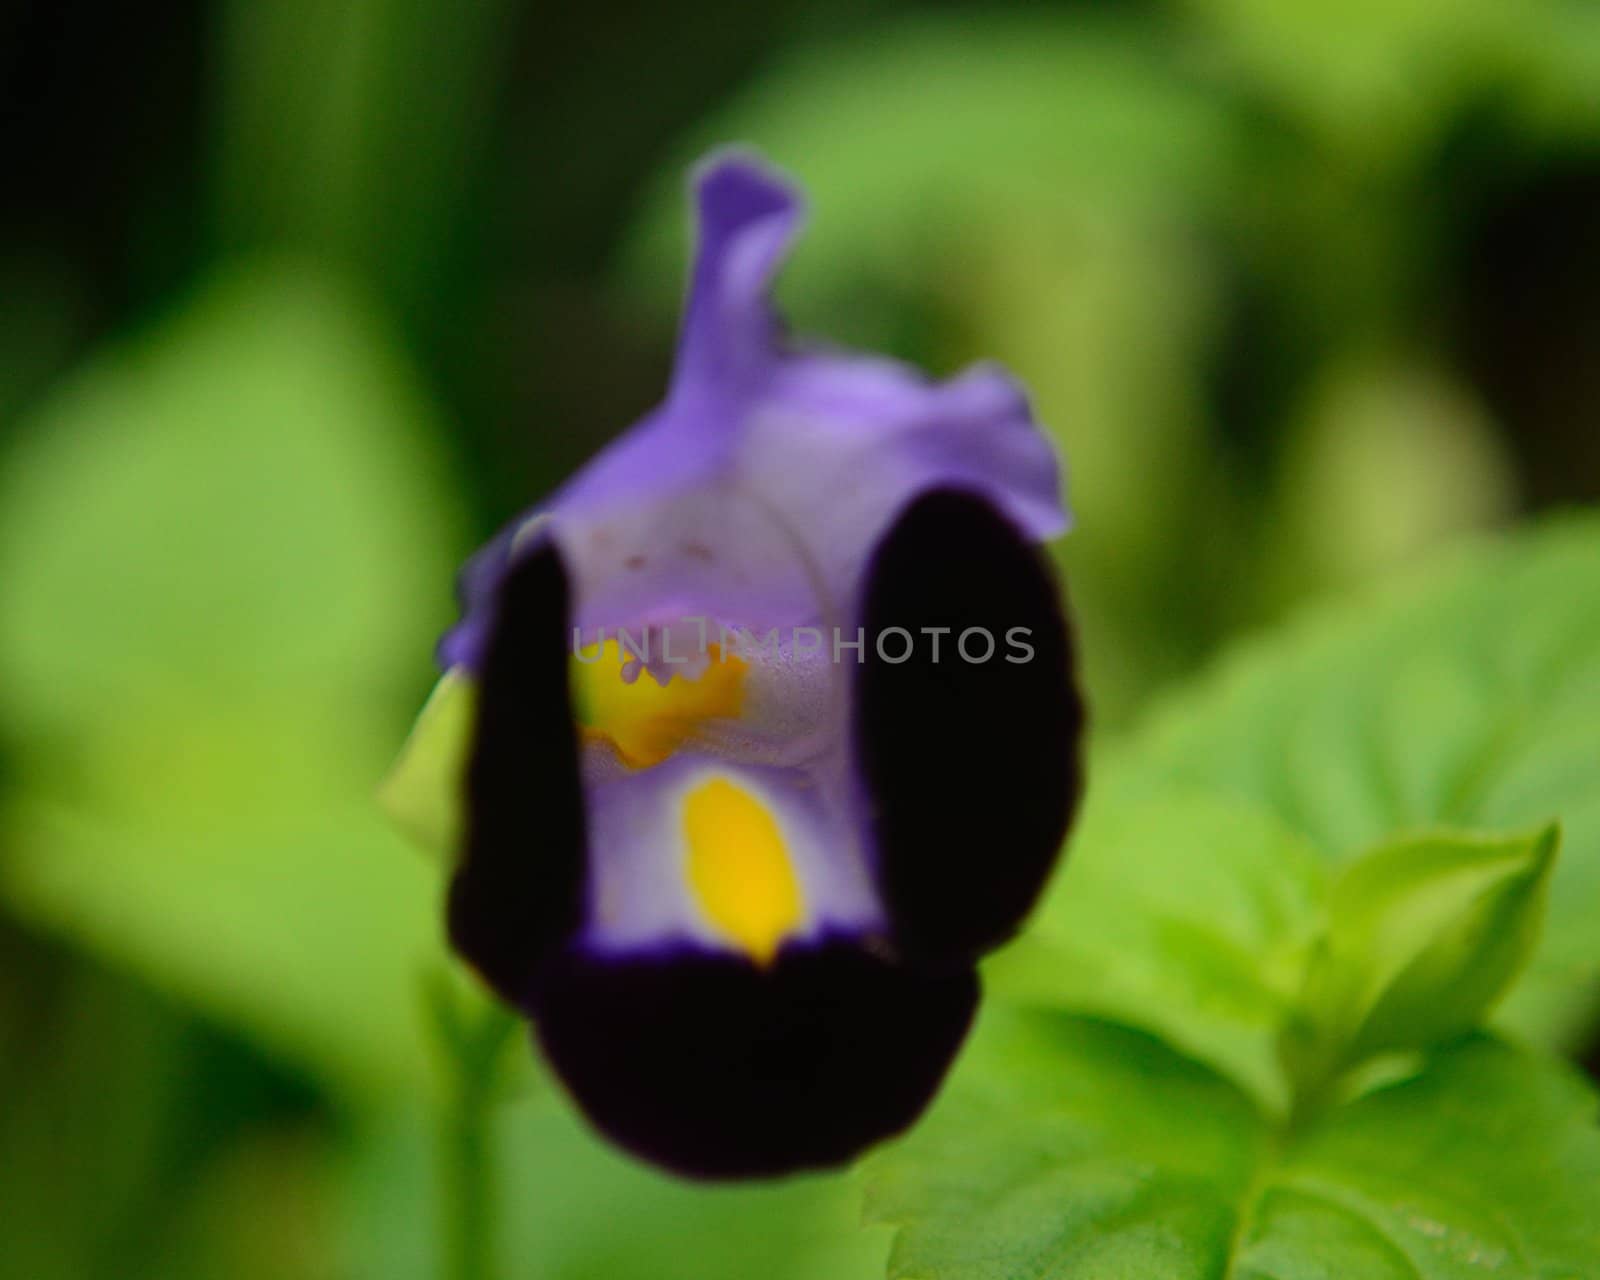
<point>971,768</point>
<point>714,1068</point>
<point>518,892</point>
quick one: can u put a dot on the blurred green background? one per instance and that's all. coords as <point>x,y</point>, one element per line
<point>300,300</point>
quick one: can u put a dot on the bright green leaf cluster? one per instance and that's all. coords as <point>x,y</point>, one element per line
<point>1243,1036</point>
<point>1180,912</point>
<point>1070,1147</point>
<point>1422,936</point>
<point>1464,699</point>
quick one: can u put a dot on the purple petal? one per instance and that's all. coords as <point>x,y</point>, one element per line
<point>747,219</point>
<point>641,902</point>
<point>767,517</point>
<point>755,493</point>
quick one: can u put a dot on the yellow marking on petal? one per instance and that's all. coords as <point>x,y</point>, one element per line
<point>646,722</point>
<point>739,869</point>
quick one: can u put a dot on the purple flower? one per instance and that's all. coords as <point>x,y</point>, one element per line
<point>777,731</point>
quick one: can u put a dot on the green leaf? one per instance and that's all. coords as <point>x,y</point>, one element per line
<point>1381,80</point>
<point>226,553</point>
<point>1424,935</point>
<point>347,131</point>
<point>1069,1147</point>
<point>571,1207</point>
<point>1181,913</point>
<point>1073,1148</point>
<point>1466,697</point>
<point>422,794</point>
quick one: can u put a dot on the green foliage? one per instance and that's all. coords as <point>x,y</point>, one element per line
<point>1035,112</point>
<point>1379,78</point>
<point>571,1208</point>
<point>422,794</point>
<point>334,120</point>
<point>1215,239</point>
<point>1423,935</point>
<point>1176,1091</point>
<point>1074,1148</point>
<point>224,555</point>
<point>1468,699</point>
<point>84,1158</point>
<point>1181,913</point>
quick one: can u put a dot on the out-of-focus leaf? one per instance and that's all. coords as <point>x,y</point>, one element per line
<point>1180,913</point>
<point>261,1210</point>
<point>1379,77</point>
<point>422,794</point>
<point>224,547</point>
<point>1423,935</point>
<point>571,1208</point>
<point>909,135</point>
<point>244,493</point>
<point>1107,320</point>
<point>348,129</point>
<point>95,1076</point>
<point>1074,1148</point>
<point>1387,460</point>
<point>1468,698</point>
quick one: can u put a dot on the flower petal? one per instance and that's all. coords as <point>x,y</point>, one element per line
<point>842,443</point>
<point>519,890</point>
<point>747,218</point>
<point>754,493</point>
<point>717,1069</point>
<point>775,525</point>
<point>972,767</point>
<point>656,881</point>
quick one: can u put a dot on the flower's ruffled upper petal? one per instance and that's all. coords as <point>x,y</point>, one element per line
<point>843,443</point>
<point>774,522</point>
<point>975,428</point>
<point>753,495</point>
<point>973,767</point>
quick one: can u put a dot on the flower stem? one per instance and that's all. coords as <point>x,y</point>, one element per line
<point>468,1176</point>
